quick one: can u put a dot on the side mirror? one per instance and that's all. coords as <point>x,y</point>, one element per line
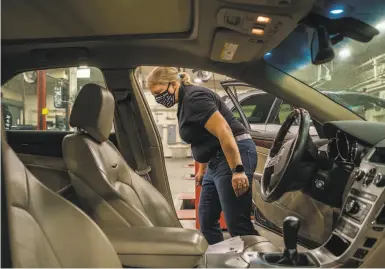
<point>321,47</point>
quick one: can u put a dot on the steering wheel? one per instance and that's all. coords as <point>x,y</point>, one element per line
<point>284,164</point>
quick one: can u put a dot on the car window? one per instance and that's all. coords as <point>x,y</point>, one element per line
<point>283,112</point>
<point>43,99</point>
<point>277,120</point>
<point>256,107</point>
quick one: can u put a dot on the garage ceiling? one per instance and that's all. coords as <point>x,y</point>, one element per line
<point>25,19</point>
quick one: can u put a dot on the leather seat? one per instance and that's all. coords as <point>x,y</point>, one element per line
<point>109,190</point>
<point>45,229</point>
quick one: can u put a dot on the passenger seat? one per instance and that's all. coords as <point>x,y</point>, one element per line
<point>45,229</point>
<point>111,192</point>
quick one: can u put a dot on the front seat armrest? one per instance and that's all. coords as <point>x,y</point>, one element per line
<point>158,246</point>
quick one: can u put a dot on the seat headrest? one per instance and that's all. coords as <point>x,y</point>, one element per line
<point>93,111</point>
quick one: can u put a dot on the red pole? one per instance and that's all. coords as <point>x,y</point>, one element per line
<point>44,98</point>
<point>41,99</point>
<point>197,195</point>
<point>38,94</point>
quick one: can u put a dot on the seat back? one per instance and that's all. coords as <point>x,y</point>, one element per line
<point>108,189</point>
<point>45,229</point>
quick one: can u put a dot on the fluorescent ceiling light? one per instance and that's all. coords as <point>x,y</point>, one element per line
<point>336,11</point>
<point>381,26</point>
<point>344,53</point>
<point>83,73</point>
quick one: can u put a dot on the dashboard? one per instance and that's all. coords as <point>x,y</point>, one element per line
<point>346,145</point>
<point>344,148</point>
<point>358,149</point>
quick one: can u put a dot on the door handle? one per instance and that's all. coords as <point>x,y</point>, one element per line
<point>257,177</point>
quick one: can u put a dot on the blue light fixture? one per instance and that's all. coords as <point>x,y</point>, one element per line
<point>336,11</point>
<point>268,54</point>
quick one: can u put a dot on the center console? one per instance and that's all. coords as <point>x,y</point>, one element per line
<point>357,239</point>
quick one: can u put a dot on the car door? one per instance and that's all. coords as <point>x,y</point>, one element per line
<point>316,218</point>
<point>255,105</point>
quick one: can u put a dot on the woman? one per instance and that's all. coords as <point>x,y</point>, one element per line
<point>221,145</point>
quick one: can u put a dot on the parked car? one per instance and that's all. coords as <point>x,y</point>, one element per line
<point>264,112</point>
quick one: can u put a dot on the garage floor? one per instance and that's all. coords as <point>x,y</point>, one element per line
<point>178,171</point>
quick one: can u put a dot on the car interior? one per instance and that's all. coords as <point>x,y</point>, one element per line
<point>102,199</point>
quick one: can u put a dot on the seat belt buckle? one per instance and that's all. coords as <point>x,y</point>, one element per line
<point>143,172</point>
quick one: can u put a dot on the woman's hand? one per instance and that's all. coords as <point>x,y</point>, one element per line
<point>199,177</point>
<point>200,173</point>
<point>240,183</point>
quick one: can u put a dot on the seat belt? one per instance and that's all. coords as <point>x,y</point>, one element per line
<point>129,128</point>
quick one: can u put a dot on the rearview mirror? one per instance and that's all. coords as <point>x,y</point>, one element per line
<point>321,48</point>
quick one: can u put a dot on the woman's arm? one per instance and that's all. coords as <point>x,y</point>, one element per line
<point>218,126</point>
<point>202,167</point>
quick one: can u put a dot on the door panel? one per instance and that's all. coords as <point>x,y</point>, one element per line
<point>51,171</point>
<point>316,217</point>
<point>41,152</point>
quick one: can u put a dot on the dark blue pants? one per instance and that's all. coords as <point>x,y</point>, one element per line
<point>218,195</point>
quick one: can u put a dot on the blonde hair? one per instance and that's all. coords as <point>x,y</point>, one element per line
<point>164,75</point>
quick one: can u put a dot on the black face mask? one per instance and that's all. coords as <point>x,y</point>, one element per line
<point>166,98</point>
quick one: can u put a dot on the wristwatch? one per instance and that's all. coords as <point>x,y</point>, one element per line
<point>238,169</point>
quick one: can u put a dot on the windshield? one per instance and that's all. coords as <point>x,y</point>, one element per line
<point>356,77</point>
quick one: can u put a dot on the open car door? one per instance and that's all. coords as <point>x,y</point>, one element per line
<point>316,217</point>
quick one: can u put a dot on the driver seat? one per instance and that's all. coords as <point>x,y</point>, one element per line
<point>108,189</point>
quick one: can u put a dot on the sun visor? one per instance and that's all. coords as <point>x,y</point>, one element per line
<point>233,47</point>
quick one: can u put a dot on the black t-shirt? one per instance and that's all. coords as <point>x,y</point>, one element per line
<point>196,106</point>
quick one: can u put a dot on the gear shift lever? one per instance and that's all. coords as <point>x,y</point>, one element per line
<point>290,256</point>
<point>290,232</point>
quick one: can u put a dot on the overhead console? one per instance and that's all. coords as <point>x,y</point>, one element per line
<point>258,24</point>
<point>243,35</point>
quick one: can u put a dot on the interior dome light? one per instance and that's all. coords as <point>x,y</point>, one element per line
<point>257,31</point>
<point>263,20</point>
